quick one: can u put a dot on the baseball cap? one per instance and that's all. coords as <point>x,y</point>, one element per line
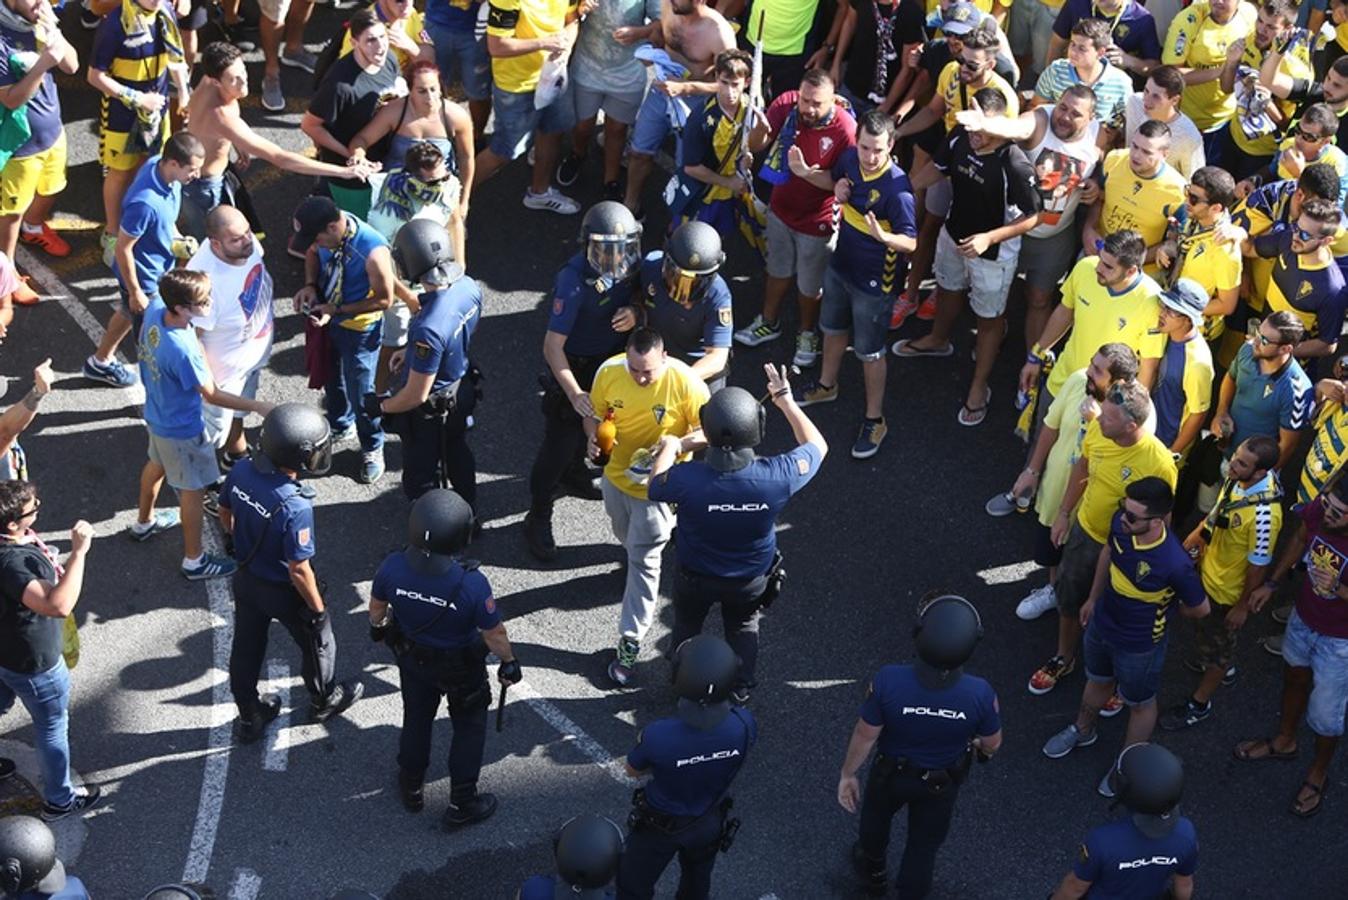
<point>1187,298</point>
<point>312,216</point>
<point>960,18</point>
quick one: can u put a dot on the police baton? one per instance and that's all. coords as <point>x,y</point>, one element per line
<point>500,707</point>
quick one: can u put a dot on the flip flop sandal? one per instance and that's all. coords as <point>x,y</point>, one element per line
<point>970,417</point>
<point>1244,754</point>
<point>904,348</point>
<point>1317,794</point>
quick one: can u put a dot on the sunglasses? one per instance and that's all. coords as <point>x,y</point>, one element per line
<point>1195,200</point>
<point>1310,138</point>
<point>1302,234</point>
<point>37,504</point>
<point>971,64</point>
<point>1265,341</point>
<point>1133,518</point>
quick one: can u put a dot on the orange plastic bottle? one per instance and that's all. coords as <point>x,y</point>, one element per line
<point>605,436</point>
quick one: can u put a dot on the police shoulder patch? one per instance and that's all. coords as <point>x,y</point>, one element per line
<point>1084,853</point>
<point>421,349</point>
<point>303,536</point>
<point>557,305</point>
<point>489,604</point>
<point>803,466</point>
<point>724,316</point>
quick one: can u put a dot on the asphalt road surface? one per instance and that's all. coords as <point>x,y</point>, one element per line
<point>314,808</point>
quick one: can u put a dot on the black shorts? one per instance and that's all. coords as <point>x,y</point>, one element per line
<point>1045,554</point>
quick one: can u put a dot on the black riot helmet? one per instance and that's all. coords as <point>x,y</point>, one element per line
<point>180,892</point>
<point>1148,779</point>
<point>295,437</point>
<point>947,631</point>
<point>587,849</point>
<point>424,251</point>
<point>439,526</point>
<point>28,857</point>
<point>705,669</point>
<point>612,238</point>
<point>692,256</point>
<point>733,423</point>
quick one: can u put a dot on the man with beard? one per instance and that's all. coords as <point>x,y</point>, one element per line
<point>213,114</point>
<point>1196,43</point>
<point>1064,146</point>
<point>236,331</point>
<point>1333,90</point>
<point>1315,647</point>
<point>1306,280</point>
<point>1263,111</point>
<point>809,131</point>
<point>692,34</point>
<point>1265,391</point>
<point>1197,249</point>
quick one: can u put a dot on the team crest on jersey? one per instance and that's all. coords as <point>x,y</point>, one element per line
<point>1120,31</point>
<point>659,412</point>
<point>724,316</point>
<point>1123,323</point>
<point>872,198</point>
<point>1304,289</point>
<point>1125,473</point>
<point>1200,250</point>
<point>1143,570</point>
<point>1268,391</point>
<point>152,337</point>
<point>1235,520</point>
<point>825,144</point>
<point>1137,186</point>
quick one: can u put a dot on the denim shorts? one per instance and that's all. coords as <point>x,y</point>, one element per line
<point>517,120</point>
<point>1327,658</point>
<point>1137,672</point>
<point>847,308</point>
<point>652,124</point>
<point>189,464</point>
<point>460,55</point>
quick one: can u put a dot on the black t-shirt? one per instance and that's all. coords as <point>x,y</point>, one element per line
<point>347,99</point>
<point>983,186</point>
<point>908,29</point>
<point>29,643</point>
<point>937,53</point>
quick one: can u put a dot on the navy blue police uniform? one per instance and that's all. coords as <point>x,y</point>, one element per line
<point>436,628</point>
<point>545,887</point>
<point>1122,863</point>
<point>924,755</point>
<point>273,525</point>
<point>583,314</point>
<point>727,542</point>
<point>683,809</point>
<point>688,331</point>
<point>435,434</point>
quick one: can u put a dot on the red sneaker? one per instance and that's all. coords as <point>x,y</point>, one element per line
<point>904,306</point>
<point>926,310</point>
<point>23,294</point>
<point>47,240</point>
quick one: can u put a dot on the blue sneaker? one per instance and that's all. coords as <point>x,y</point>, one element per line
<point>371,466</point>
<point>113,373</point>
<point>209,567</point>
<point>162,520</point>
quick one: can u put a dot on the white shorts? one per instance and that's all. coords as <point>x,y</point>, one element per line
<point>987,281</point>
<point>217,418</point>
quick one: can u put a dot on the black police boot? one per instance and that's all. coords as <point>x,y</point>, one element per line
<point>7,768</point>
<point>254,726</point>
<point>467,806</point>
<point>409,787</point>
<point>875,880</point>
<point>339,701</point>
<point>538,535</point>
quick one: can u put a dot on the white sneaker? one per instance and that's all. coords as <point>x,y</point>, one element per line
<point>807,349</point>
<point>551,200</point>
<point>1040,601</point>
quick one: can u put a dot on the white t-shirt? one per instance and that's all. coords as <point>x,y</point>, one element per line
<point>1186,141</point>
<point>237,332</point>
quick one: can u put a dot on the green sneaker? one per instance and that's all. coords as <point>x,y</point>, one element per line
<point>622,669</point>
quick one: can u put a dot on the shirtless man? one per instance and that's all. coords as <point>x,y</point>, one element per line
<point>692,33</point>
<point>213,114</point>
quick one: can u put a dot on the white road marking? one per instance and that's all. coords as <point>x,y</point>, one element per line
<point>572,732</point>
<point>278,734</point>
<point>1009,574</point>
<point>220,603</point>
<point>245,886</point>
<point>820,684</point>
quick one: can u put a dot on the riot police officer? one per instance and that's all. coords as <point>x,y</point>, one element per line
<point>438,616</point>
<point>435,387</point>
<point>728,506</point>
<point>587,850</point>
<point>591,315</point>
<point>689,303</point>
<point>692,759</point>
<point>1138,855</point>
<point>270,518</point>
<point>29,867</point>
<point>930,719</point>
